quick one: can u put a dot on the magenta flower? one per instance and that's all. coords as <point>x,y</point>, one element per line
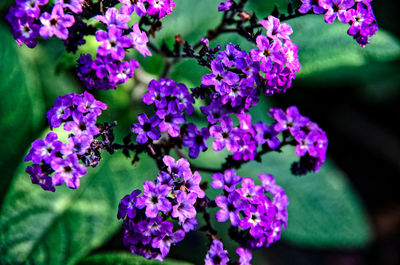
<point>223,135</point>
<point>191,184</point>
<point>112,18</point>
<point>165,240</point>
<point>113,43</point>
<point>336,8</point>
<point>140,40</point>
<point>267,53</point>
<point>82,124</point>
<point>230,208</point>
<point>56,23</point>
<point>226,181</point>
<point>179,168</point>
<point>291,120</point>
<point>244,256</point>
<point>29,8</point>
<point>160,8</point>
<point>275,29</point>
<point>361,19</point>
<point>170,119</point>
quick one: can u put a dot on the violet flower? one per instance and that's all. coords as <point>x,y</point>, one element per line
<point>140,40</point>
<point>336,8</point>
<point>56,23</point>
<point>67,170</point>
<point>146,128</point>
<point>196,140</point>
<point>112,42</point>
<point>154,199</point>
<point>217,254</point>
<point>307,5</point>
<point>112,18</point>
<point>127,205</point>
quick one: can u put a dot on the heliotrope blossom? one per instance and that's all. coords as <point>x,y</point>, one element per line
<point>55,162</point>
<point>145,232</point>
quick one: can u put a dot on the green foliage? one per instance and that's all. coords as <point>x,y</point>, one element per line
<point>327,46</point>
<point>40,227</point>
<point>125,258</point>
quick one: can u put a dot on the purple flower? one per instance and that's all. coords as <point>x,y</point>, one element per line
<point>244,256</point>
<point>214,112</point>
<point>306,143</point>
<point>164,178</point>
<point>113,43</point>
<point>232,57</point>
<point>146,128</point>
<point>160,7</point>
<point>184,99</point>
<point>196,140</point>
<point>230,208</point>
<point>191,184</point>
<point>112,18</point>
<point>311,4</point>
<point>225,6</point>
<point>250,191</point>
<point>361,19</point>
<point>74,5</point>
<point>226,181</point>
<point>217,255</point>
<point>266,134</point>
<point>24,30</point>
<point>140,40</point>
<point>291,120</point>
<point>87,103</point>
<point>290,51</point>
<point>254,218</point>
<point>170,119</point>
<point>56,23</point>
<point>267,53</point>
<point>128,8</point>
<point>189,224</point>
<point>275,29</point>
<point>336,8</point>
<point>222,135</point>
<point>67,170</point>
<point>268,183</point>
<point>157,94</point>
<point>29,8</point>
<point>184,209</point>
<point>165,240</point>
<point>38,177</point>
<point>219,78</point>
<point>82,124</point>
<point>154,199</point>
<point>177,169</point>
<point>246,146</point>
<point>44,150</point>
<point>77,144</point>
<point>278,79</point>
<point>127,205</point>
<point>102,65</point>
<point>122,71</point>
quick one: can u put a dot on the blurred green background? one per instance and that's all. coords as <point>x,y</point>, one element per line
<point>348,213</point>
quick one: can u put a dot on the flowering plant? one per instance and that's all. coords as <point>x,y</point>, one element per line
<point>184,120</point>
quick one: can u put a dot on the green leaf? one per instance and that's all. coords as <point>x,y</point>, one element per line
<point>21,107</point>
<point>327,46</point>
<point>324,209</point>
<point>125,258</point>
<point>31,85</point>
<point>39,227</point>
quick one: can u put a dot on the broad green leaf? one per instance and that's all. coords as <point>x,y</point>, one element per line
<point>125,258</point>
<point>39,227</point>
<point>21,106</point>
<point>324,209</point>
<point>327,46</point>
<point>29,87</point>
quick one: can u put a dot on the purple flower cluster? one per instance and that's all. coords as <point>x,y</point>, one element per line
<point>244,139</point>
<point>104,73</point>
<point>312,142</point>
<point>235,72</point>
<point>172,101</point>
<point>147,232</point>
<point>257,219</point>
<point>155,8</point>
<point>79,114</point>
<point>27,22</point>
<point>358,13</point>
